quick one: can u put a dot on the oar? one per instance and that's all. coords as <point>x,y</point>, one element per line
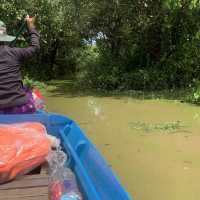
<point>19,32</point>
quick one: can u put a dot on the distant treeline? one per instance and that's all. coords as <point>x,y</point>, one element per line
<point>113,44</point>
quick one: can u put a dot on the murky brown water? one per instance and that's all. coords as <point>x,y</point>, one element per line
<point>153,165</point>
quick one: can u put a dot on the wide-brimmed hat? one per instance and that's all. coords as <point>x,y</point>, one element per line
<point>4,37</point>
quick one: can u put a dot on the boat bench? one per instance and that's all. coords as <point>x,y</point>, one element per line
<point>28,187</point>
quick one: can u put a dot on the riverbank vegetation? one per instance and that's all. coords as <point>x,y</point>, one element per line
<point>120,45</point>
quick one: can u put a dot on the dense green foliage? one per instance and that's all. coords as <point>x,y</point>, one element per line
<point>116,44</point>
<point>32,83</point>
<point>59,38</point>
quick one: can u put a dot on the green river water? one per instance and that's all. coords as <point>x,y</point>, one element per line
<point>153,146</point>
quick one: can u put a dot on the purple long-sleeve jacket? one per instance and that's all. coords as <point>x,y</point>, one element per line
<point>11,86</point>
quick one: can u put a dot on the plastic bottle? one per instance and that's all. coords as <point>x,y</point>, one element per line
<point>62,182</point>
<point>71,186</point>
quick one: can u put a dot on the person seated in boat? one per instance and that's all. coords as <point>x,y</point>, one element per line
<point>14,98</point>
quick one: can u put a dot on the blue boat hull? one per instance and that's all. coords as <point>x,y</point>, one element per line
<point>95,178</point>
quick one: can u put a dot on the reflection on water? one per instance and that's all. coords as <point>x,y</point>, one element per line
<point>152,166</point>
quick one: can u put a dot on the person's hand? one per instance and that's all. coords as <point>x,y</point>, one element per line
<point>30,22</point>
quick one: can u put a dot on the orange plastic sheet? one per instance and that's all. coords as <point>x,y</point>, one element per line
<point>23,147</point>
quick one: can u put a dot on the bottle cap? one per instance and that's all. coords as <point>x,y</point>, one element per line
<point>67,197</point>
